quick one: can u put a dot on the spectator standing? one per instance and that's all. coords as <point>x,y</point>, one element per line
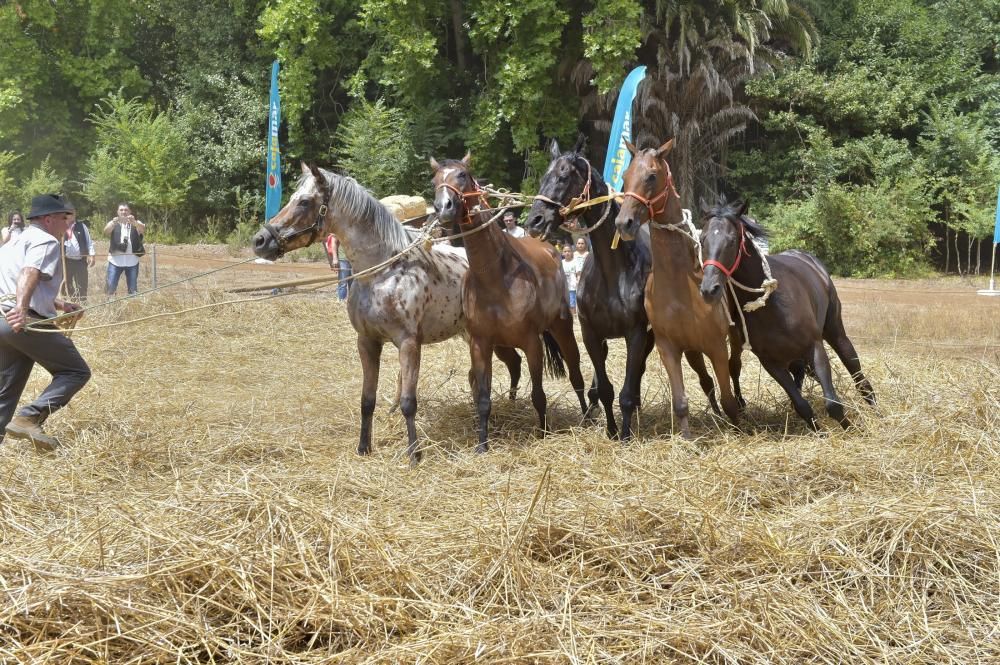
<point>334,249</point>
<point>126,234</point>
<point>30,275</point>
<point>510,226</point>
<point>581,254</point>
<point>569,264</point>
<point>80,256</point>
<point>15,225</point>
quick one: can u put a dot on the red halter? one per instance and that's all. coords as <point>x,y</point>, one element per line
<point>659,198</point>
<point>736,264</point>
<point>478,193</point>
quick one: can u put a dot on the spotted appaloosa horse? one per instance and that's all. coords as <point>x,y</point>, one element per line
<point>802,312</point>
<point>515,291</point>
<point>415,300</point>
<point>680,317</point>
<point>612,286</point>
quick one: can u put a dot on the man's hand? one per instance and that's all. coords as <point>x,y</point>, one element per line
<point>17,318</point>
<point>69,308</point>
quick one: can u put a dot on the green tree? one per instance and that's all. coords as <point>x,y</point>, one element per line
<point>141,156</point>
<point>375,149</point>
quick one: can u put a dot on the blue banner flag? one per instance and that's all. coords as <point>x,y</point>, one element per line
<point>996,229</point>
<point>618,157</point>
<point>273,199</point>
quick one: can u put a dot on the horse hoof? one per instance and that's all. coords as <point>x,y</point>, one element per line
<point>364,451</point>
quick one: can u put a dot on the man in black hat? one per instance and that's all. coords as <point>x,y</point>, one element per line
<point>30,276</point>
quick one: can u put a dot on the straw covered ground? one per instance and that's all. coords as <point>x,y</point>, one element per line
<point>208,506</point>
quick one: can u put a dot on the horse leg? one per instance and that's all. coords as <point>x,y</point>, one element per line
<point>399,391</point>
<point>533,354</point>
<point>671,359</point>
<point>784,378</point>
<point>370,351</point>
<point>697,362</point>
<point>637,348</point>
<point>720,363</point>
<point>409,371</point>
<point>844,349</point>
<point>597,349</point>
<point>821,365</point>
<point>562,330</point>
<point>594,394</point>
<point>798,370</point>
<point>736,365</point>
<point>482,367</point>
<point>512,360</point>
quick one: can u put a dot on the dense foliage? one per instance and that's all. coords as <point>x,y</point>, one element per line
<point>864,131</point>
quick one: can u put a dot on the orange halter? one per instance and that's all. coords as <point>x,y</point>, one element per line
<point>659,198</point>
<point>478,193</point>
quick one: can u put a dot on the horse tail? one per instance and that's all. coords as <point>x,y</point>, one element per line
<point>554,364</point>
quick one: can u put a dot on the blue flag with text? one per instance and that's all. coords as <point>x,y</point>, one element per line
<point>996,229</point>
<point>272,202</point>
<point>618,157</point>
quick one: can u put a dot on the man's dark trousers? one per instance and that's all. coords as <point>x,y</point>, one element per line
<point>18,354</point>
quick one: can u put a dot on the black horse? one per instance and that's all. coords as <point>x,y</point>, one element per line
<point>788,331</point>
<point>611,290</point>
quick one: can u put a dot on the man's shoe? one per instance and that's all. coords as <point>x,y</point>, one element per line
<point>30,429</point>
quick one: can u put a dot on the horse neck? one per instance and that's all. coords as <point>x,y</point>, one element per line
<point>486,249</point>
<point>610,262</point>
<point>364,242</point>
<point>673,252</point>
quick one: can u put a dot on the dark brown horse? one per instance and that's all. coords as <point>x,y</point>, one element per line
<point>787,332</point>
<point>681,320</point>
<point>611,289</point>
<point>514,291</point>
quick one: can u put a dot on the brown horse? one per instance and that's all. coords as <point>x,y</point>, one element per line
<point>787,332</point>
<point>514,291</point>
<point>680,317</point>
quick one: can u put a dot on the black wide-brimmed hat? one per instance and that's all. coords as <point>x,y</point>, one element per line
<point>48,204</point>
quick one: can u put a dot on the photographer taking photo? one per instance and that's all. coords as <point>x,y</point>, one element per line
<point>126,247</point>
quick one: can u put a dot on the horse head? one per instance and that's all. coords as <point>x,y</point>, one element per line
<point>568,177</point>
<point>648,184</point>
<point>301,222</point>
<point>724,244</point>
<point>456,191</point>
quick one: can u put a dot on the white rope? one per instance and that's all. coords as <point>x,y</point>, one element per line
<point>688,231</point>
<point>767,287</point>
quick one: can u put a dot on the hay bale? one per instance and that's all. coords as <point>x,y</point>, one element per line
<point>404,206</point>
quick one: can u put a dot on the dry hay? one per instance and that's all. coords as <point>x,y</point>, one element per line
<point>208,507</point>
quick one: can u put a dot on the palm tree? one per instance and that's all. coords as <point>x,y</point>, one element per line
<point>704,53</point>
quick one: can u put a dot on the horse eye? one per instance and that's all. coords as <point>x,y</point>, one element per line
<point>651,178</point>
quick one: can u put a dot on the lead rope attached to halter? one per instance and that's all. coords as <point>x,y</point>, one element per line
<point>767,287</point>
<point>688,231</point>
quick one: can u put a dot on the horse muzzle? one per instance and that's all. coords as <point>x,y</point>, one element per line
<point>265,246</point>
<point>627,226</point>
<point>712,285</point>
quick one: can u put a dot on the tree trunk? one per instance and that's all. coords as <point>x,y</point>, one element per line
<point>968,253</point>
<point>457,19</point>
<point>958,256</point>
<point>947,252</point>
<point>979,256</point>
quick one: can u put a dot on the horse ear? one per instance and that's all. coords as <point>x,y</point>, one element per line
<point>743,207</point>
<point>435,167</point>
<point>467,160</point>
<point>704,206</point>
<point>317,174</point>
<point>305,167</point>
<point>554,149</point>
<point>631,148</point>
<point>665,149</point>
<point>581,143</point>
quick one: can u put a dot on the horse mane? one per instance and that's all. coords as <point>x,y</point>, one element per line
<point>356,203</point>
<point>731,210</point>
